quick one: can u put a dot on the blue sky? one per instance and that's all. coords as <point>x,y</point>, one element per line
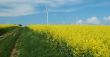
<point>60,11</point>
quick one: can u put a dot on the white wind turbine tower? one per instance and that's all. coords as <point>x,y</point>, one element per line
<point>46,14</point>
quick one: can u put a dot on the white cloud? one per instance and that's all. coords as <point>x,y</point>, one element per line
<point>17,10</point>
<point>62,2</point>
<point>56,3</point>
<point>26,7</point>
<point>107,18</point>
<point>92,20</point>
<point>80,22</point>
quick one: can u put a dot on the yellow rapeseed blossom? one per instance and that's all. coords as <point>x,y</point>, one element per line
<point>6,25</point>
<point>82,39</point>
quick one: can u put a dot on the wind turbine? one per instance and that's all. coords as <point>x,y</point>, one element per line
<point>46,14</point>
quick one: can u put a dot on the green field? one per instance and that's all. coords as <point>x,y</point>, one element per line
<point>54,41</point>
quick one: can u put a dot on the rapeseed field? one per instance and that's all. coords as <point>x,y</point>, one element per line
<point>84,41</point>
